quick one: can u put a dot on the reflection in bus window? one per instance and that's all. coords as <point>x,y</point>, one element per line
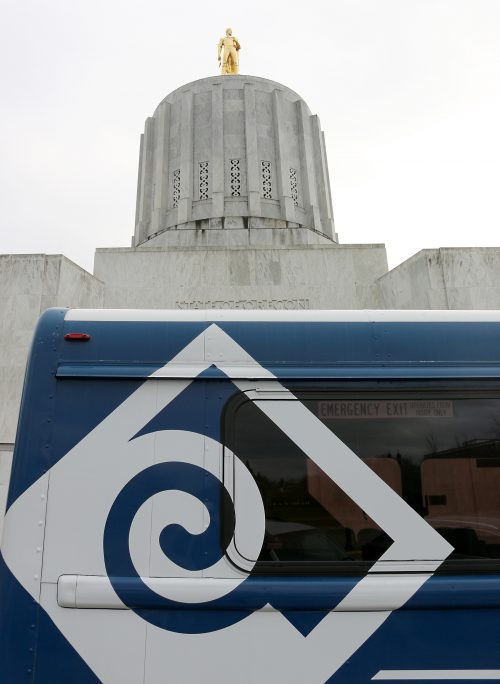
<point>441,455</point>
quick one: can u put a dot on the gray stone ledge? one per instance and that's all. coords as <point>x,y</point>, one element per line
<point>247,248</point>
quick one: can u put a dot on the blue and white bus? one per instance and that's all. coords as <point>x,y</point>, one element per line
<point>255,496</point>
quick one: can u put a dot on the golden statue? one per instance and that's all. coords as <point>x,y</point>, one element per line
<point>230,61</point>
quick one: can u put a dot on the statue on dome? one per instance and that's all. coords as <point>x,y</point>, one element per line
<point>230,59</point>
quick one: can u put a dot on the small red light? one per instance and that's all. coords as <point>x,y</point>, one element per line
<point>77,337</point>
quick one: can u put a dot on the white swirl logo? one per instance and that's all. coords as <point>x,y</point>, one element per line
<point>177,505</point>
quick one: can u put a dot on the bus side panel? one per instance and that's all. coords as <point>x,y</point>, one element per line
<point>434,640</point>
<point>18,629</point>
<point>28,637</point>
<point>164,436</point>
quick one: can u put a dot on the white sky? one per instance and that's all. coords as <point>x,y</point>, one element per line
<point>408,93</point>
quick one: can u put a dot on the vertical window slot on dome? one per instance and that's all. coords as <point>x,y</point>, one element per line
<point>235,177</point>
<point>203,180</point>
<point>293,187</point>
<point>176,188</point>
<point>267,190</point>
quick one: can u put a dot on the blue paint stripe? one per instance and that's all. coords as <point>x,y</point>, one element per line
<point>323,593</point>
<point>294,344</point>
<point>421,371</point>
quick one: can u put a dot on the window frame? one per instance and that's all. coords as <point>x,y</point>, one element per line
<point>454,388</point>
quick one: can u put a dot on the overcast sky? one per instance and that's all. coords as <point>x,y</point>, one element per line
<point>408,93</point>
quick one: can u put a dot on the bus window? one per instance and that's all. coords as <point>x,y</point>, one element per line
<point>439,452</point>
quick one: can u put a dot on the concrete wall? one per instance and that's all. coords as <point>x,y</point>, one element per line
<point>29,284</point>
<point>446,278</point>
<point>324,276</point>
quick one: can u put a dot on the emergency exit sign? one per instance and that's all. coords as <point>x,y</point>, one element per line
<point>385,408</point>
